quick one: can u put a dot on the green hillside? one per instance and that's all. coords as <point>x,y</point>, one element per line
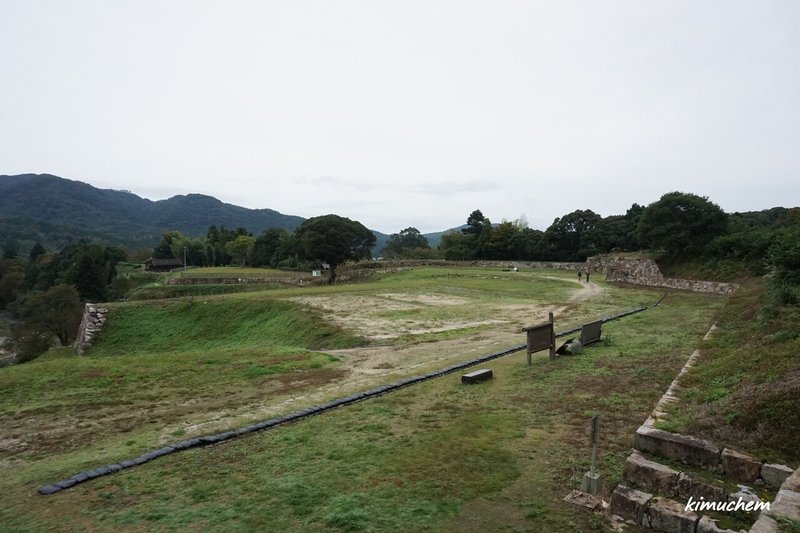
<point>55,211</point>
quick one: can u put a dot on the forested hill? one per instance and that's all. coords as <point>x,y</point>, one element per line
<point>53,211</point>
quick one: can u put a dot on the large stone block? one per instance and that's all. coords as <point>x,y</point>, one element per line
<point>765,524</point>
<point>792,482</point>
<point>688,486</point>
<point>774,475</point>
<point>668,515</point>
<point>629,503</point>
<point>683,448</point>
<point>786,504</point>
<point>740,467</point>
<point>645,474</point>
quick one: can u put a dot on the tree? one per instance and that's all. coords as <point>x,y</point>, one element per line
<point>10,249</point>
<point>241,247</point>
<point>501,243</point>
<point>405,244</point>
<point>266,251</point>
<point>334,240</point>
<point>56,312</point>
<point>566,236</point>
<point>164,248</point>
<point>682,224</point>
<point>36,251</point>
<point>11,285</point>
<point>456,246</point>
<point>478,233</point>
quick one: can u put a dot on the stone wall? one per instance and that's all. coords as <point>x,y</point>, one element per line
<point>94,318</point>
<point>645,271</point>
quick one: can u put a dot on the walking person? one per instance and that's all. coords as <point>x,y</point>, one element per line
<point>580,276</point>
<point>587,276</point>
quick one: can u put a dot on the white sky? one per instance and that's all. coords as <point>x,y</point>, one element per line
<point>408,113</point>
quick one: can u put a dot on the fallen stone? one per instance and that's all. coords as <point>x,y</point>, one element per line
<point>740,467</point>
<point>669,515</point>
<point>645,474</point>
<point>708,525</point>
<point>629,503</point>
<point>786,504</point>
<point>688,487</point>
<point>774,475</point>
<point>583,499</point>
<point>683,448</point>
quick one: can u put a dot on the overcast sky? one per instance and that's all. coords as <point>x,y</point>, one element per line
<point>408,113</point>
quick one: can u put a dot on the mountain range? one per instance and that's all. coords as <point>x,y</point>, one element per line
<point>55,211</point>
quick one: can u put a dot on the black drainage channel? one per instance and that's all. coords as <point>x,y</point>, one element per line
<point>298,415</point>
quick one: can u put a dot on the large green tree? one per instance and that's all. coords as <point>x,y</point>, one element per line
<point>405,244</point>
<point>56,312</point>
<point>567,236</point>
<point>334,240</point>
<point>241,248</point>
<point>682,224</point>
<point>269,246</point>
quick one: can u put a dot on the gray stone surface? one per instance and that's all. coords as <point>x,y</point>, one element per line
<point>792,482</point>
<point>689,486</point>
<point>774,475</point>
<point>683,448</point>
<point>786,504</point>
<point>740,467</point>
<point>654,477</point>
<point>667,515</point>
<point>644,271</point>
<point>765,524</point>
<point>629,503</point>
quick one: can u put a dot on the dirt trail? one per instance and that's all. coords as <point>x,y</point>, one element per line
<point>586,292</point>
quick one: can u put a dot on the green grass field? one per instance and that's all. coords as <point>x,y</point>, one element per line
<point>436,456</point>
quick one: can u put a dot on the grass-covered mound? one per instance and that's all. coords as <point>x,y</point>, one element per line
<point>745,391</point>
<point>218,326</point>
<point>157,367</point>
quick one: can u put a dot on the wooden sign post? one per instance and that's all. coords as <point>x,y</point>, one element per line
<point>541,337</point>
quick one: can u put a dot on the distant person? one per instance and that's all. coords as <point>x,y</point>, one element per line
<point>587,276</point>
<point>580,276</point>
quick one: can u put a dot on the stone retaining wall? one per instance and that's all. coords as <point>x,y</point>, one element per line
<point>234,280</point>
<point>94,318</point>
<point>645,271</point>
<point>656,510</point>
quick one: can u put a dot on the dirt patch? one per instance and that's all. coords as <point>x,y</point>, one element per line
<point>586,292</point>
<point>387,316</point>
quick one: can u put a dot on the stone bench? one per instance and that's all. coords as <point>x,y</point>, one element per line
<point>478,375</point>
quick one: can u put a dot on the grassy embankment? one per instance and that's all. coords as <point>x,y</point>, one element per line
<point>156,289</point>
<point>436,456</point>
<point>745,391</point>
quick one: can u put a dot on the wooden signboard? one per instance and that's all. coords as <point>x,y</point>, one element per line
<point>590,332</point>
<point>541,337</point>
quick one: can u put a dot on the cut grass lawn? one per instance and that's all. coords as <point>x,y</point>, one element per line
<point>439,456</point>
